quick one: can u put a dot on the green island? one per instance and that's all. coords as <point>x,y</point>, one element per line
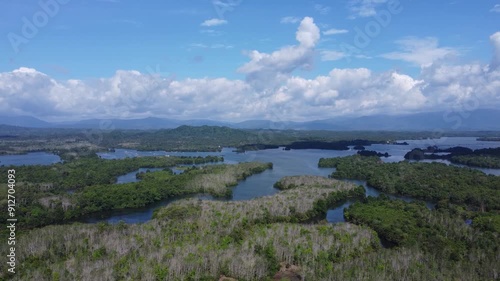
<point>275,237</point>
<point>269,238</point>
<point>427,181</point>
<point>450,248</point>
<point>46,199</point>
<point>74,143</point>
<point>484,157</point>
<point>484,161</point>
<point>202,240</point>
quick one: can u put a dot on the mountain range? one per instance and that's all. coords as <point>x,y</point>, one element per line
<point>477,120</point>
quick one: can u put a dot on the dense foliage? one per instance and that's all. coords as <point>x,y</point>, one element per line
<point>430,181</point>
<point>69,143</point>
<point>43,202</point>
<point>439,234</point>
<point>485,157</point>
<point>202,240</point>
<point>94,170</point>
<point>215,180</point>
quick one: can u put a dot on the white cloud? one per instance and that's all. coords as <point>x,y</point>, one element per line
<point>212,46</point>
<point>212,32</point>
<point>365,8</point>
<point>324,10</point>
<point>265,70</point>
<point>495,41</point>
<point>272,90</point>
<point>331,55</point>
<point>213,22</point>
<point>420,51</point>
<point>334,31</point>
<point>290,20</point>
<point>496,8</point>
<point>308,33</point>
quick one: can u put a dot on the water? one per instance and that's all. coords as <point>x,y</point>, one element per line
<point>136,215</point>
<point>285,163</point>
<point>495,172</point>
<point>131,177</point>
<point>32,158</point>
<point>398,152</point>
<point>131,153</point>
<point>336,213</point>
<point>297,162</point>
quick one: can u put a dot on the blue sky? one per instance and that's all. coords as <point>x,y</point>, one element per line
<point>182,53</point>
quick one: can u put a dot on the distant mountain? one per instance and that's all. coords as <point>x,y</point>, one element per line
<point>150,123</point>
<point>481,119</point>
<point>24,121</point>
<point>265,124</point>
<point>484,119</point>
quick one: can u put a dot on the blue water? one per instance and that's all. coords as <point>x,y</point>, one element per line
<point>285,163</point>
<point>336,213</point>
<point>131,153</point>
<point>300,162</point>
<point>32,158</point>
<point>136,215</point>
<point>131,177</point>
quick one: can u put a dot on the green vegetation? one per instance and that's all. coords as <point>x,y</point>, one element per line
<point>485,157</point>
<point>451,248</point>
<point>484,161</point>
<point>269,238</point>
<point>44,202</point>
<point>439,234</point>
<point>213,179</point>
<point>74,143</point>
<point>202,240</point>
<point>429,181</point>
<point>93,170</point>
<point>306,181</point>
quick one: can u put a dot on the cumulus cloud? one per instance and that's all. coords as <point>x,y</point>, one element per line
<point>268,70</point>
<point>350,91</point>
<point>271,89</point>
<point>495,41</point>
<point>496,8</point>
<point>420,51</point>
<point>308,33</point>
<point>213,22</point>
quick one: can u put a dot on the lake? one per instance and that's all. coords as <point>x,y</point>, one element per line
<point>285,163</point>
<point>295,162</point>
<point>32,158</point>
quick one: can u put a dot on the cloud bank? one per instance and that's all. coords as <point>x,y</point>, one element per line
<point>272,89</point>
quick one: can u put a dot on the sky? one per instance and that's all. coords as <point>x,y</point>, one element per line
<point>235,60</point>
